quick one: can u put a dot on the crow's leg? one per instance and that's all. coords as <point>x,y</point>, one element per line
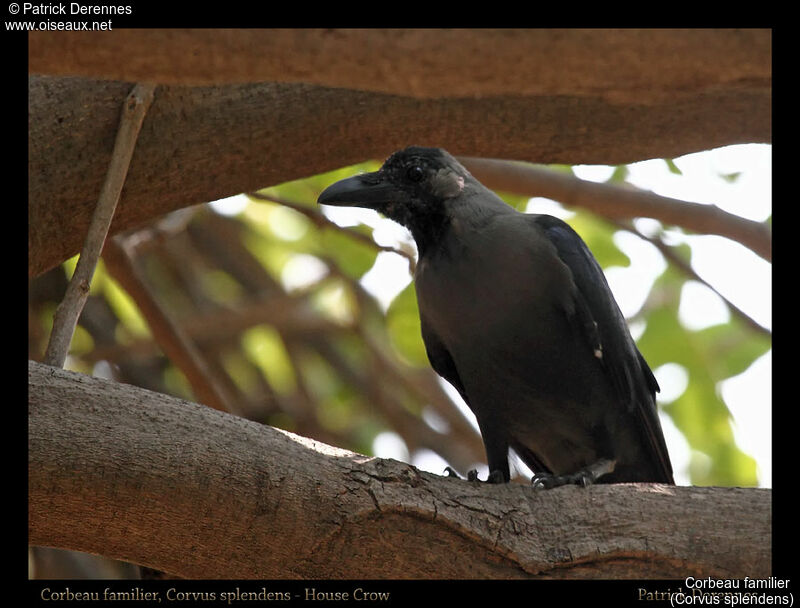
<point>496,456</point>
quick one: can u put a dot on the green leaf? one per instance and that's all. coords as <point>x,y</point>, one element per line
<point>353,256</point>
<point>730,177</point>
<point>599,237</point>
<point>132,324</point>
<point>263,346</point>
<point>518,201</point>
<point>307,189</point>
<point>240,370</point>
<point>176,383</point>
<point>732,347</point>
<point>221,287</point>
<point>673,168</point>
<point>403,324</point>
<point>709,356</point>
<point>619,175</point>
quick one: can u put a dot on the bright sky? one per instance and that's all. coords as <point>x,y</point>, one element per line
<point>740,275</point>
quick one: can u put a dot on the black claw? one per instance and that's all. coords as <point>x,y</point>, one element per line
<point>450,472</point>
<point>472,475</point>
<point>542,481</point>
<point>583,478</point>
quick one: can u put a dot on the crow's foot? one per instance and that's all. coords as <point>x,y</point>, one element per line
<point>584,477</point>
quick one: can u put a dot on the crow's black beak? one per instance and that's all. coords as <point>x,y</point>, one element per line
<point>369,190</point>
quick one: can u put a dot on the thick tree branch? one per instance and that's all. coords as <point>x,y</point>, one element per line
<point>205,143</point>
<point>198,493</point>
<point>627,65</point>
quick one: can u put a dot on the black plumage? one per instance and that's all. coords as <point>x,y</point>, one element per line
<point>517,315</point>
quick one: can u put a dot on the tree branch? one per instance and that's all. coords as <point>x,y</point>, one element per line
<point>686,268</point>
<point>67,313</point>
<point>169,335</point>
<point>205,143</point>
<point>639,65</point>
<point>619,202</point>
<point>198,493</point>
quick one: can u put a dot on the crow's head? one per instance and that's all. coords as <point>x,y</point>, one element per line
<point>411,188</point>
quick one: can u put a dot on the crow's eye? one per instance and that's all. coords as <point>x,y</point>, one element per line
<point>415,173</point>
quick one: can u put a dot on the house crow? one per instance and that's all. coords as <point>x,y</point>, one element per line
<point>516,314</point>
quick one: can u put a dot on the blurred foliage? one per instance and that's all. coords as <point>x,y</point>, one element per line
<point>272,299</point>
<point>709,356</point>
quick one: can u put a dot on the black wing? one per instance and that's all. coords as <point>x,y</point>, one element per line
<point>605,329</point>
<point>440,359</point>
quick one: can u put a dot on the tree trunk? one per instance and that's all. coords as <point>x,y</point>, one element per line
<point>194,492</point>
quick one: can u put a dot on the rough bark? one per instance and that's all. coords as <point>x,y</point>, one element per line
<point>182,488</point>
<point>335,98</point>
<point>624,65</point>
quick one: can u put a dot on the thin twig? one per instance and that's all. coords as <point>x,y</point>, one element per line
<point>67,313</point>
<point>672,256</point>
